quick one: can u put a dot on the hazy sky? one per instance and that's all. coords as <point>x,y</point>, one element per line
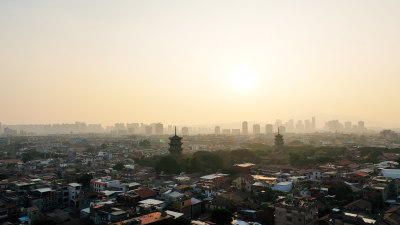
<point>173,61</point>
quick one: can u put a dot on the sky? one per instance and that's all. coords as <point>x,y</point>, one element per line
<point>193,62</point>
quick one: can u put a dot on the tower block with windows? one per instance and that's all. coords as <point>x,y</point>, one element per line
<point>278,141</point>
<point>175,144</point>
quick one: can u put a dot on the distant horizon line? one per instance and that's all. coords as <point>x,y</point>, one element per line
<point>106,125</point>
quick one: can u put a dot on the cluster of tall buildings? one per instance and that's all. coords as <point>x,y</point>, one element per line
<point>337,126</point>
<point>257,129</point>
<point>254,128</point>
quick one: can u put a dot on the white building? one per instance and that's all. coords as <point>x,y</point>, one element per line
<point>391,173</point>
<point>283,186</point>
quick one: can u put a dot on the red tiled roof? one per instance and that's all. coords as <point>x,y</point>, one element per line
<point>361,173</point>
<point>147,219</point>
<point>353,166</point>
<point>145,192</point>
<point>98,206</point>
<point>344,162</point>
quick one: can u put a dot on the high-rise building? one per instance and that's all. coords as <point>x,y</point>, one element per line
<point>149,130</point>
<point>217,130</point>
<point>361,126</point>
<point>299,126</point>
<point>347,125</point>
<point>133,128</point>
<point>313,124</point>
<point>245,129</point>
<point>290,125</point>
<point>333,126</point>
<point>170,129</point>
<point>185,131</point>
<point>119,126</point>
<point>256,129</point>
<point>278,123</point>
<point>269,129</point>
<point>143,128</point>
<point>235,131</point>
<point>307,125</point>
<point>175,144</point>
<point>282,130</point>
<point>10,132</point>
<point>159,129</point>
<point>226,131</point>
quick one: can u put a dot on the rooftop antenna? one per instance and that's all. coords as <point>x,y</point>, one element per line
<point>175,130</point>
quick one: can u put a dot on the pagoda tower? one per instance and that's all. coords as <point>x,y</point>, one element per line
<point>278,140</point>
<point>175,144</point>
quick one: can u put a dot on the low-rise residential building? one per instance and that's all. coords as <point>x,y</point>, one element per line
<point>297,211</point>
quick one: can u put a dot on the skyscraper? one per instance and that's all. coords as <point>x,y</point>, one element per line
<point>185,131</point>
<point>245,129</point>
<point>307,126</point>
<point>347,126</point>
<point>159,129</point>
<point>256,129</point>
<point>217,130</point>
<point>282,130</point>
<point>278,123</point>
<point>269,129</point>
<point>148,130</point>
<point>361,126</point>
<point>313,124</point>
<point>290,125</point>
<point>235,131</point>
<point>226,131</point>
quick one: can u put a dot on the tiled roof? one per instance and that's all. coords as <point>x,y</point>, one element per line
<point>361,173</point>
<point>145,192</point>
<point>147,219</point>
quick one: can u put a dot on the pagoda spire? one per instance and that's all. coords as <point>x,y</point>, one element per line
<point>175,144</point>
<point>279,140</point>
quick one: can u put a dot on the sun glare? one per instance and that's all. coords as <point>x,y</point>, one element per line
<point>243,80</point>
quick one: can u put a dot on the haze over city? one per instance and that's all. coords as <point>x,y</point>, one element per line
<point>211,112</point>
<point>205,62</point>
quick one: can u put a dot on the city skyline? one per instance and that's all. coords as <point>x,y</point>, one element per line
<point>198,63</point>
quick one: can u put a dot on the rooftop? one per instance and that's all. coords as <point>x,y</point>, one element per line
<point>147,219</point>
<point>151,202</point>
<point>42,190</point>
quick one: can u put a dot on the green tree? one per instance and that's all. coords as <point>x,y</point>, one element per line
<point>118,166</point>
<point>3,176</point>
<point>84,179</point>
<point>342,191</point>
<point>378,203</point>
<point>145,144</point>
<point>28,156</point>
<point>91,150</point>
<point>43,221</point>
<point>221,216</point>
<point>168,164</point>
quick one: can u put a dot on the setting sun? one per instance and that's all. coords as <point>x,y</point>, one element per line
<point>243,80</point>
